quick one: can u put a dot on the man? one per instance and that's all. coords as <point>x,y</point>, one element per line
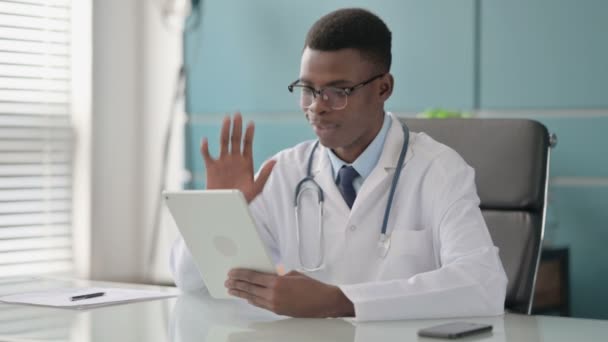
<point>436,258</point>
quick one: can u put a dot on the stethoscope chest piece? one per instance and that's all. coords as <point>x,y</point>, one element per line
<point>384,244</point>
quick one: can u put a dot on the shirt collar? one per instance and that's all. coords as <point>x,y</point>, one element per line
<point>365,163</point>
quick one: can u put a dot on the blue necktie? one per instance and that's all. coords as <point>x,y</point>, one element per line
<point>346,175</point>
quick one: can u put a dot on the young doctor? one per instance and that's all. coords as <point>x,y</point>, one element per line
<point>387,222</point>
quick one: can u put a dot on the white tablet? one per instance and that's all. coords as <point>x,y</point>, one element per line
<point>220,233</point>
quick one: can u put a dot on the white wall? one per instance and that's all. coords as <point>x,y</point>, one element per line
<point>81,46</point>
<point>135,60</point>
<point>161,61</point>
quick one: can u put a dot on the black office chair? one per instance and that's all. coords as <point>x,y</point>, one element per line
<point>511,162</point>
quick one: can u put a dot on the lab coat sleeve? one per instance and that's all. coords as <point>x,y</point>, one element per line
<point>184,271</point>
<point>470,280</point>
<point>260,214</point>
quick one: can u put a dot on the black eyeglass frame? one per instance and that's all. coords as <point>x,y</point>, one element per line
<point>347,90</point>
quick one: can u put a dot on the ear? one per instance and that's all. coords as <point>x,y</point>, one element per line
<point>386,87</point>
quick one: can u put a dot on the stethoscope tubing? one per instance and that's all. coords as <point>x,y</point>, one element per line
<point>384,241</point>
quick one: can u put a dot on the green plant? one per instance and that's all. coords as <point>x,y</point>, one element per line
<point>439,113</point>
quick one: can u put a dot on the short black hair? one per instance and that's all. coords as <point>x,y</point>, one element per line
<point>354,28</point>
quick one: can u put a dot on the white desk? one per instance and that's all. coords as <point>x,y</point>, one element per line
<point>195,317</point>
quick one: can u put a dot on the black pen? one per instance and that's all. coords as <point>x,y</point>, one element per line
<point>87,296</point>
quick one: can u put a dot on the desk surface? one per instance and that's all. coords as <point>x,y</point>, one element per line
<point>195,317</point>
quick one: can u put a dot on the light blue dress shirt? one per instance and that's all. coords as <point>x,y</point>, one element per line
<point>366,162</point>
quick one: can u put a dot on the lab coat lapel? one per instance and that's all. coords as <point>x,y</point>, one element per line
<point>386,165</point>
<point>323,175</point>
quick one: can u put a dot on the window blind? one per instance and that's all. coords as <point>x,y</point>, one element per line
<point>36,139</point>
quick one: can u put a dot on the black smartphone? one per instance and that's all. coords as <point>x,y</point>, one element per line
<point>454,330</point>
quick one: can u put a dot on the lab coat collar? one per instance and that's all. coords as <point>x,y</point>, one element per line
<point>323,175</point>
<point>386,166</point>
<point>390,152</point>
<point>322,168</point>
<point>392,146</point>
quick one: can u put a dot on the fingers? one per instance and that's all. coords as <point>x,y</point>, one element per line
<point>253,289</point>
<point>252,299</point>
<point>258,184</point>
<point>248,143</point>
<point>256,287</point>
<point>225,136</point>
<point>232,142</point>
<point>237,130</point>
<point>253,277</point>
<point>205,151</point>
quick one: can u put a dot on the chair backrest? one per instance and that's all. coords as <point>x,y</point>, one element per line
<point>511,160</point>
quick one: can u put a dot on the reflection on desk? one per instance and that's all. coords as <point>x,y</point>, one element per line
<point>198,318</point>
<point>201,318</point>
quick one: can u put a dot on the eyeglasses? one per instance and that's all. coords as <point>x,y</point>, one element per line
<point>335,97</point>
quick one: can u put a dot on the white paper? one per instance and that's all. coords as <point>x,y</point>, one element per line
<point>61,298</point>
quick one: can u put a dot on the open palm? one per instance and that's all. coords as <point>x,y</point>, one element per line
<point>233,169</point>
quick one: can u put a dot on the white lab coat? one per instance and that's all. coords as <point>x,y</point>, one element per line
<point>441,262</point>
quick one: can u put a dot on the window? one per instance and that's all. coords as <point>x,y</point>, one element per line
<point>36,138</point>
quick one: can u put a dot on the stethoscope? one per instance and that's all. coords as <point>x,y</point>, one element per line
<point>384,242</point>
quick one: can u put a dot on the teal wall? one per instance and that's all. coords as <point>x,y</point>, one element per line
<point>243,54</point>
<point>544,54</point>
<point>541,59</point>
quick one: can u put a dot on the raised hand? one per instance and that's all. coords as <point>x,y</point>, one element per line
<point>233,169</point>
